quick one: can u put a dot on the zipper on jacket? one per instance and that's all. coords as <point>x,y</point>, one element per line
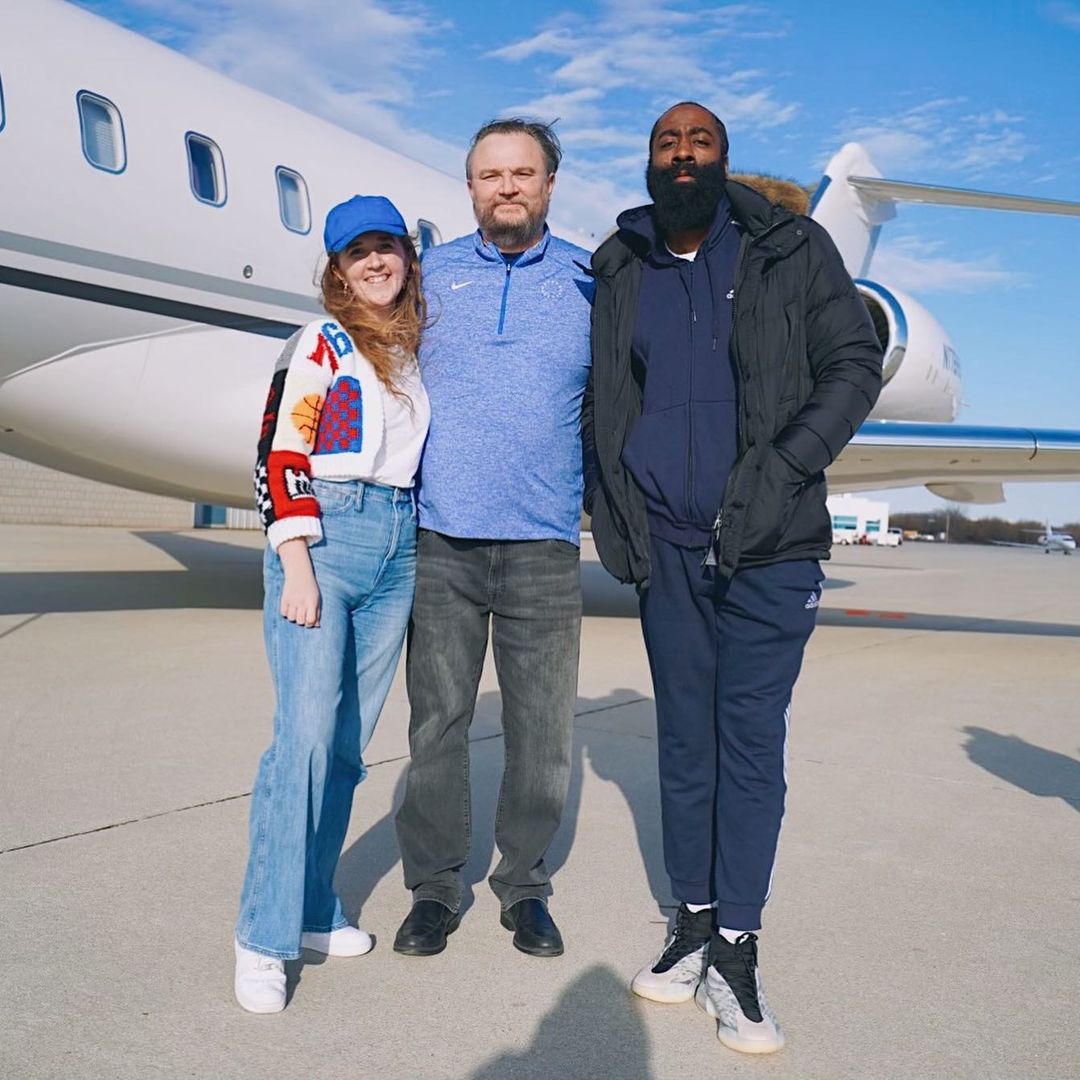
<point>712,553</point>
<point>506,289</point>
<point>740,262</point>
<point>690,410</point>
<point>746,243</point>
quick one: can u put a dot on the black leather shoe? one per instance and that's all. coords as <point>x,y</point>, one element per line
<point>424,931</point>
<point>534,929</point>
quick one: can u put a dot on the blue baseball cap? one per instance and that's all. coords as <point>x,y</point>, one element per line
<point>361,214</point>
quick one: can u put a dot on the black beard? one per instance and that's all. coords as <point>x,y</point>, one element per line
<point>508,237</point>
<point>681,207</point>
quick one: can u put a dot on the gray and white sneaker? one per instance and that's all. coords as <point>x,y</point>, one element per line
<point>674,975</point>
<point>732,994</point>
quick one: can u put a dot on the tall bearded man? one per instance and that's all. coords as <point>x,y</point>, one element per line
<point>732,361</point>
<point>505,364</point>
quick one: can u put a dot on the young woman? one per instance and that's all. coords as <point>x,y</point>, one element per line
<point>341,438</point>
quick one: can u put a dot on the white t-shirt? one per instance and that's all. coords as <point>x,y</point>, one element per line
<point>689,256</point>
<point>406,420</point>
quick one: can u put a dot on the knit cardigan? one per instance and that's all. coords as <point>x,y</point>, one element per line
<point>323,418</point>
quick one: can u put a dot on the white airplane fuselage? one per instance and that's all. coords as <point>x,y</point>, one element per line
<point>117,290</point>
<point>1055,541</point>
<point>139,325</point>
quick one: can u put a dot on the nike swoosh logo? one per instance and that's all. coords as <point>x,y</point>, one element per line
<point>455,285</point>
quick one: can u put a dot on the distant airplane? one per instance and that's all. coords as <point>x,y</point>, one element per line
<point>159,238</point>
<point>1049,540</point>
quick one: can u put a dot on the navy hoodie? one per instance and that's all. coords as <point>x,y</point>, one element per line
<point>684,444</point>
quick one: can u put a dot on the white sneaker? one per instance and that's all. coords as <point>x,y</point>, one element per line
<point>732,994</point>
<point>347,941</point>
<point>259,983</point>
<point>674,975</point>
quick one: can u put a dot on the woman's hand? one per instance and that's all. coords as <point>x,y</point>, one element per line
<point>300,602</point>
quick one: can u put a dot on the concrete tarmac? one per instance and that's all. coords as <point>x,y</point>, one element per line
<point>926,913</point>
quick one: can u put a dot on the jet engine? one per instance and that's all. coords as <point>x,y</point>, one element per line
<point>921,369</point>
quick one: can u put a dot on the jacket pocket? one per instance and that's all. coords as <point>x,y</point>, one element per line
<point>608,540</point>
<point>809,524</point>
<point>772,506</point>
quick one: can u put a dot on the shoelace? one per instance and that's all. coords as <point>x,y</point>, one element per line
<point>739,969</point>
<point>683,942</point>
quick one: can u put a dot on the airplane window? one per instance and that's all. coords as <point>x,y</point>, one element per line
<point>102,132</point>
<point>293,200</point>
<point>206,167</point>
<point>429,234</point>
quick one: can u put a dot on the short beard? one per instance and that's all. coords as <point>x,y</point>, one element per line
<point>681,207</point>
<point>507,237</point>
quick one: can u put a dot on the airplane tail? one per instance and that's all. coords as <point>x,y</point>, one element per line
<point>852,217</point>
<point>854,200</point>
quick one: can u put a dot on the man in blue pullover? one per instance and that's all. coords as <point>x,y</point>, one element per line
<point>505,364</point>
<point>732,361</point>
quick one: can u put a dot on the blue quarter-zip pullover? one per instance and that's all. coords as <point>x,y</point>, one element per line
<point>505,363</point>
<point>685,442</point>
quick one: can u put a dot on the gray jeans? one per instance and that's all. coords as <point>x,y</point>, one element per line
<point>530,593</point>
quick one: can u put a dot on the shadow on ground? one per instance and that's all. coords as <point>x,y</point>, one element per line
<point>215,574</point>
<point>595,1032</point>
<point>1032,768</point>
<point>625,759</point>
<point>228,576</point>
<point>921,621</point>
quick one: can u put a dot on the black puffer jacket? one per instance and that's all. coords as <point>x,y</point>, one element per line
<point>808,371</point>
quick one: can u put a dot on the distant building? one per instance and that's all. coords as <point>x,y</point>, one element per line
<point>855,518</point>
<point>33,495</point>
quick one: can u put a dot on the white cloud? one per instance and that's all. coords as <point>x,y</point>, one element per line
<point>359,75</point>
<point>1067,15</point>
<point>919,266</point>
<point>559,42</point>
<point>587,205</point>
<point>573,106</point>
<point>607,74</point>
<point>942,134</point>
<point>366,74</point>
<point>656,47</point>
<point>617,138</point>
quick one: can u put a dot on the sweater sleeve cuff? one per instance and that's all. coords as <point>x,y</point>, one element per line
<point>291,527</point>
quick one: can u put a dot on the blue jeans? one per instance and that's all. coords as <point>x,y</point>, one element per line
<point>331,682</point>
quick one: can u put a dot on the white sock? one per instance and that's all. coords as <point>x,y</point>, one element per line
<point>695,908</point>
<point>731,935</point>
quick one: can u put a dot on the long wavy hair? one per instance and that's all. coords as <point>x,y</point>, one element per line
<point>388,341</point>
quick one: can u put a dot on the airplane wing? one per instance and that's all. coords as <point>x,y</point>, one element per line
<point>957,461</point>
<point>878,187</point>
<point>1014,543</point>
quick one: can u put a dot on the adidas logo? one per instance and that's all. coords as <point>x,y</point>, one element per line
<point>813,602</point>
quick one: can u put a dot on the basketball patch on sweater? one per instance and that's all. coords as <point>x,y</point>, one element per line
<point>306,415</point>
<point>340,427</point>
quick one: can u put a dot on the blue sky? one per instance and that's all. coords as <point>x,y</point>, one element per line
<point>970,94</point>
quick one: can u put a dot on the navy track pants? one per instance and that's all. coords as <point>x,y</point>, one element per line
<point>724,657</point>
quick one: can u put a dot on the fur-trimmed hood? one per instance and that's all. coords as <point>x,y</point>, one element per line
<point>786,193</point>
<point>753,207</point>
